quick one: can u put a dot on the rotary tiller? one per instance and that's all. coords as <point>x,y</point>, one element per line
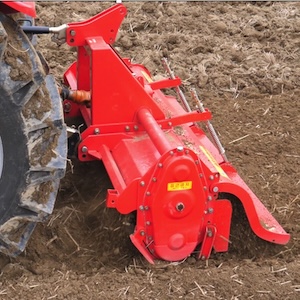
<point>162,165</point>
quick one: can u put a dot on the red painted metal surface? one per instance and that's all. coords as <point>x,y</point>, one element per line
<point>27,8</point>
<point>161,164</point>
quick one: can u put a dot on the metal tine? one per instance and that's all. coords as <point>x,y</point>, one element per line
<point>180,94</point>
<point>210,127</point>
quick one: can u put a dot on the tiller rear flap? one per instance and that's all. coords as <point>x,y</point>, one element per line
<point>161,164</point>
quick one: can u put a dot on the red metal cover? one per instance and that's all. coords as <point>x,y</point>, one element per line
<point>27,8</point>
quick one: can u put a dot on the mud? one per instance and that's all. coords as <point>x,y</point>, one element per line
<point>15,56</point>
<point>243,58</point>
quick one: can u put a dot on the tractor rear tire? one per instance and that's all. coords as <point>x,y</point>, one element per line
<point>33,139</point>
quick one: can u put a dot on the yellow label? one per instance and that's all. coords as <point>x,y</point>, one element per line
<point>214,162</point>
<point>180,186</point>
<point>147,77</point>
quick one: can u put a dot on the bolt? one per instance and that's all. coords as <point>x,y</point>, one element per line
<point>209,198</point>
<point>135,127</point>
<point>169,123</point>
<point>215,189</point>
<point>180,206</point>
<point>146,207</point>
<point>203,257</point>
<point>67,107</point>
<point>148,194</point>
<point>154,179</point>
<point>160,165</point>
<point>171,153</point>
<point>127,128</point>
<point>210,210</point>
<point>97,131</point>
<point>197,162</point>
<point>142,183</point>
<point>141,207</point>
<point>205,188</point>
<point>201,175</point>
<point>149,238</point>
<point>209,233</point>
<point>179,148</point>
<point>72,32</point>
<point>211,177</point>
<point>142,232</point>
<point>84,149</point>
<point>148,223</point>
<point>187,151</point>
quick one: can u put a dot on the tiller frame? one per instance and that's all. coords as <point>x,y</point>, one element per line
<point>161,164</point>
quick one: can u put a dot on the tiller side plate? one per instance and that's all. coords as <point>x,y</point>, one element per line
<point>161,164</point>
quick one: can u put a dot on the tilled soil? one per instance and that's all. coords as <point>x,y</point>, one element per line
<point>243,58</point>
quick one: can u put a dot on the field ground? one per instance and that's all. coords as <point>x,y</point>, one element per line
<point>244,60</point>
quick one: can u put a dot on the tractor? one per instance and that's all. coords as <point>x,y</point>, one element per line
<point>165,168</point>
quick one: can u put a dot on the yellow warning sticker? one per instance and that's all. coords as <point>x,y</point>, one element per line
<point>180,186</point>
<point>147,77</point>
<point>214,162</point>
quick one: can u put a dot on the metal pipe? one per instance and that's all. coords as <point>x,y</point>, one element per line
<point>178,90</point>
<point>154,131</point>
<point>210,127</point>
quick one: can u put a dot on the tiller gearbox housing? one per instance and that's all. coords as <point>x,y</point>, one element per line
<point>161,164</point>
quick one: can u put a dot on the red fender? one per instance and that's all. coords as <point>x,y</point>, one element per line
<point>263,224</point>
<point>27,8</point>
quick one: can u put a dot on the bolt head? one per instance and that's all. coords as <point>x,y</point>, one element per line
<point>215,189</point>
<point>180,206</point>
<point>142,183</point>
<point>179,148</point>
<point>84,149</point>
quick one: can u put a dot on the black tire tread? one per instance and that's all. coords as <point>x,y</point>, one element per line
<point>30,108</point>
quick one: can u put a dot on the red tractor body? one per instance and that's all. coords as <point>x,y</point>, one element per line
<point>27,8</point>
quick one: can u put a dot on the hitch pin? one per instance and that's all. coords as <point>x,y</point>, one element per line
<point>210,127</point>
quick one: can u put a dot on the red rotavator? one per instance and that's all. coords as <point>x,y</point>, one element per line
<point>161,163</point>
